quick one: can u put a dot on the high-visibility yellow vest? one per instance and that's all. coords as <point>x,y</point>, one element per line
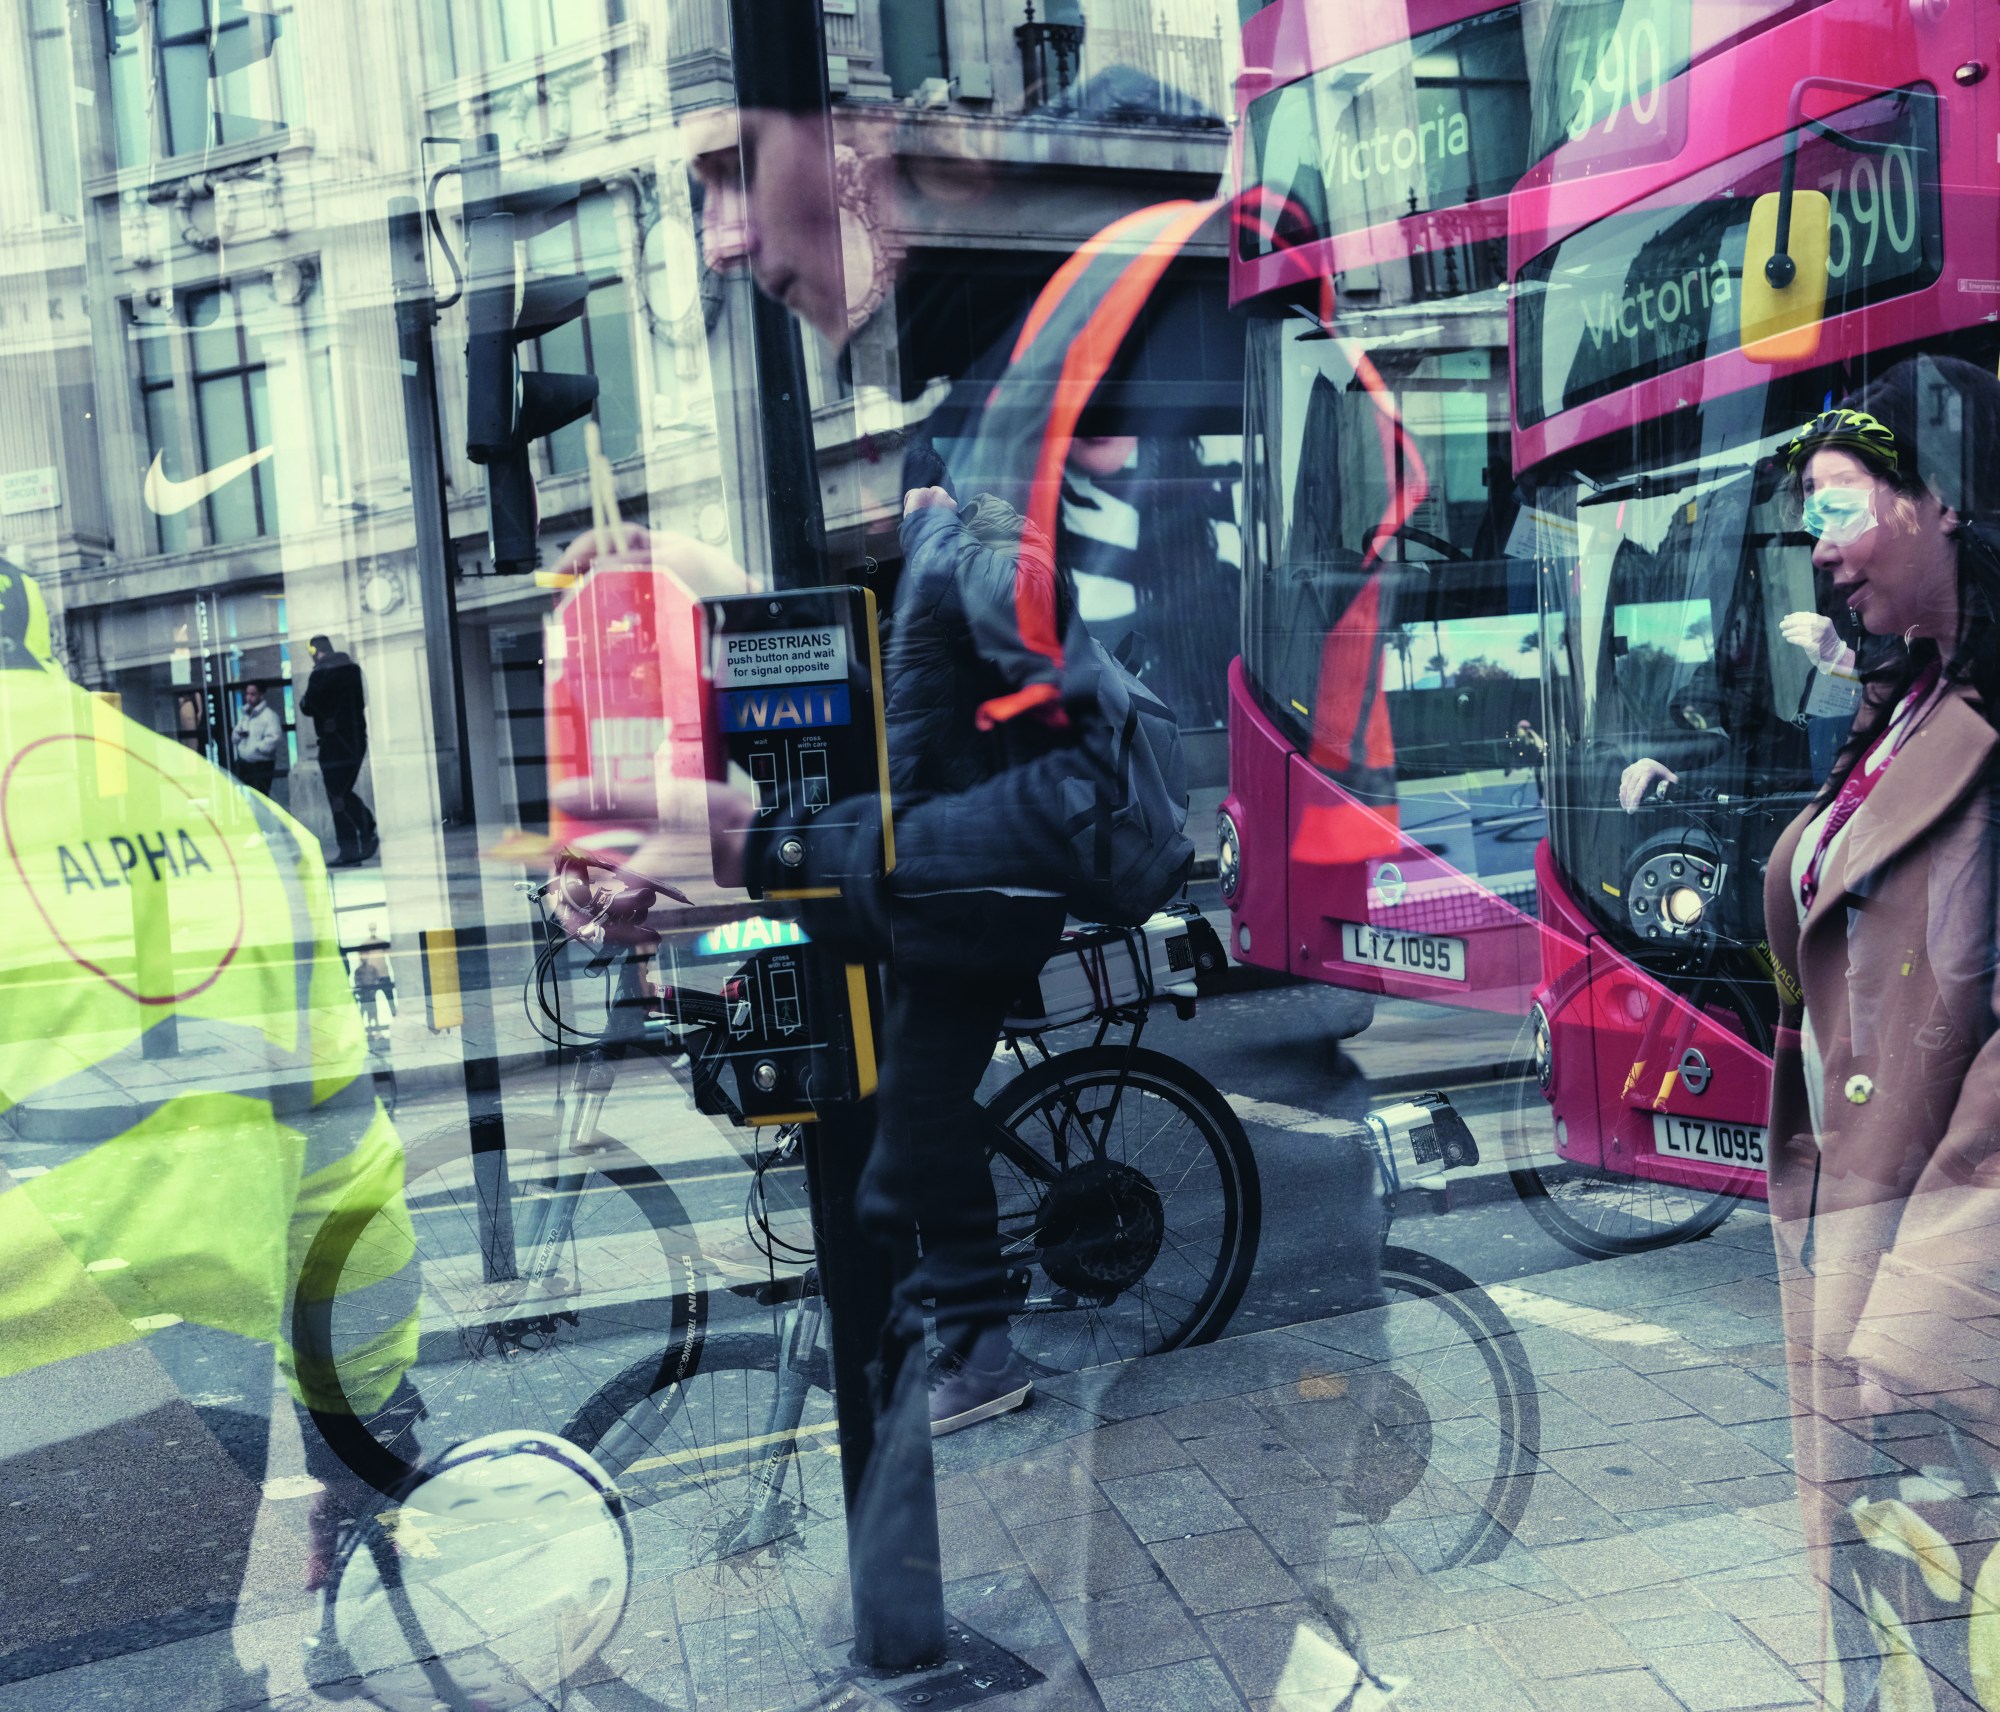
<point>142,888</point>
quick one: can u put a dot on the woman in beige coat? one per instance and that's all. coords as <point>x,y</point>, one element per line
<point>1880,902</point>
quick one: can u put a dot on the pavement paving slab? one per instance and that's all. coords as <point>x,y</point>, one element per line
<point>1223,1527</point>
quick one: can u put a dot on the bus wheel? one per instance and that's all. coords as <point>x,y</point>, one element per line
<point>1597,1211</point>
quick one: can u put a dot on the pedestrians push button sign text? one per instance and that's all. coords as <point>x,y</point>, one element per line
<point>792,709</point>
<point>805,656</point>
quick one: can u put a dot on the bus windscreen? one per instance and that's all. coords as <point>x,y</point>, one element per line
<point>1657,287</point>
<point>1431,123</point>
<point>1606,83</point>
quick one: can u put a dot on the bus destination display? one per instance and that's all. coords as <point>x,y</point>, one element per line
<point>1606,88</point>
<point>1658,287</point>
<point>1432,123</point>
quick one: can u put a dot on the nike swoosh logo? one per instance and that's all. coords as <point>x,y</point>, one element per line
<point>167,498</point>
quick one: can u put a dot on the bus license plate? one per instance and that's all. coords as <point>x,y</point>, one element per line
<point>1701,1138</point>
<point>1415,953</point>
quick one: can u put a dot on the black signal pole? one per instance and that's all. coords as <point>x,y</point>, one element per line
<point>416,321</point>
<point>894,1562</point>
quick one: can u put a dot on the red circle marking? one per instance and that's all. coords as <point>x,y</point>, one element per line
<point>75,956</point>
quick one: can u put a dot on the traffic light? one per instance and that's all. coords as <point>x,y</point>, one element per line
<point>508,407</point>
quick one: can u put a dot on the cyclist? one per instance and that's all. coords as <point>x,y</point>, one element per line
<point>181,1068</point>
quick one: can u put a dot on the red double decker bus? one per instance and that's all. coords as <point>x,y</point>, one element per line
<point>1656,373</point>
<point>1384,750</point>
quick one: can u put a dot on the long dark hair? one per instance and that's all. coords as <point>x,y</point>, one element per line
<point>1945,415</point>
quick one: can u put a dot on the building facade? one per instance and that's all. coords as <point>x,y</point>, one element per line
<point>210,458</point>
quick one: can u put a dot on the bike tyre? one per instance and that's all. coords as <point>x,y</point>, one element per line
<point>1021,1107</point>
<point>1659,1215</point>
<point>1516,1396</point>
<point>381,1447</point>
<point>688,1452</point>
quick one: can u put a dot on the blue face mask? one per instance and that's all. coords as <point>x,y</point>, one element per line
<point>1838,516</point>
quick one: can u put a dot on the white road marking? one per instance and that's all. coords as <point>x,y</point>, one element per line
<point>1600,1325</point>
<point>1273,1115</point>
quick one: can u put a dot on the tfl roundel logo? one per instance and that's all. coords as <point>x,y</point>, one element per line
<point>1695,1073</point>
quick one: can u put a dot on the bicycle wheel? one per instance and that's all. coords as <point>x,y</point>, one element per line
<point>1603,1213</point>
<point>1128,1194</point>
<point>731,1475</point>
<point>1430,1441</point>
<point>492,1350</point>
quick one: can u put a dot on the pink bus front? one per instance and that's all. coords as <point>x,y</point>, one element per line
<point>1656,513</point>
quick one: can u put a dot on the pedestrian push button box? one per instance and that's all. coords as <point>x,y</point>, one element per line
<point>792,1036</point>
<point>792,702</point>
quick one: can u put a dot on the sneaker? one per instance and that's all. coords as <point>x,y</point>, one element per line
<point>963,1392</point>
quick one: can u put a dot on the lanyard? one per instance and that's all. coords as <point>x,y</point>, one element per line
<point>1866,776</point>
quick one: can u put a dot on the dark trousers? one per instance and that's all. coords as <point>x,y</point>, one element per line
<point>257,774</point>
<point>353,823</point>
<point>958,965</point>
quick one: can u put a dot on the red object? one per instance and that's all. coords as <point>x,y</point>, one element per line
<point>624,698</point>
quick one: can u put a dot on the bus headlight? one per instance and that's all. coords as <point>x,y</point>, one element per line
<point>1228,856</point>
<point>1542,1047</point>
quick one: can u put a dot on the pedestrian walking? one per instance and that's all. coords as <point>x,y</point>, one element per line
<point>1882,902</point>
<point>258,737</point>
<point>336,701</point>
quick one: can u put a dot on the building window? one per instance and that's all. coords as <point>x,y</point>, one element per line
<point>204,377</point>
<point>462,37</point>
<point>188,75</point>
<point>53,81</point>
<point>209,411</point>
<point>232,410</point>
<point>160,405</point>
<point>599,341</point>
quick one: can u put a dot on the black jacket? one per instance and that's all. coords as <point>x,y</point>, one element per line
<point>336,702</point>
<point>974,808</point>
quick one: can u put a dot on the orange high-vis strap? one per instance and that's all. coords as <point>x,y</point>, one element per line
<point>1089,356</point>
<point>1351,708</point>
<point>1070,272</point>
<point>1337,835</point>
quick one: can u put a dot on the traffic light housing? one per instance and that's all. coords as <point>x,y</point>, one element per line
<point>509,407</point>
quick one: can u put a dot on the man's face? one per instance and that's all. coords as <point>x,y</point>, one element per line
<point>769,203</point>
<point>253,698</point>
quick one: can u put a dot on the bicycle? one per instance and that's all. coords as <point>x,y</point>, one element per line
<point>1437,1424</point>
<point>563,1265</point>
<point>1716,976</point>
<point>370,982</point>
<point>722,1439</point>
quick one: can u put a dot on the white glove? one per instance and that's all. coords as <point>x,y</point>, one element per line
<point>1639,781</point>
<point>1817,636</point>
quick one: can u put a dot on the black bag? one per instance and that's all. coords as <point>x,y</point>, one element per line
<point>1126,816</point>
